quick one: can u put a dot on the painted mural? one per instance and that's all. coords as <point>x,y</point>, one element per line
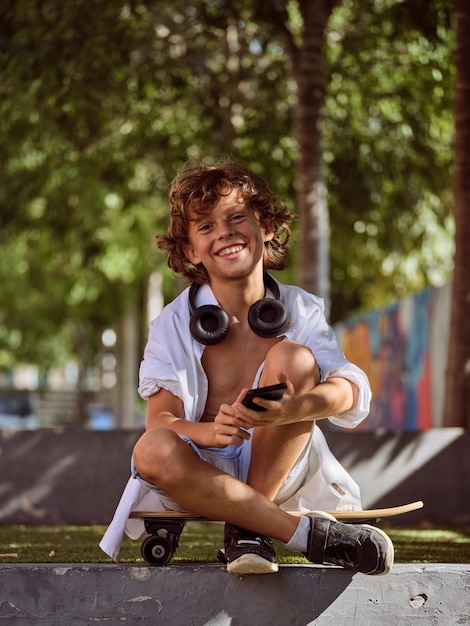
<point>403,350</point>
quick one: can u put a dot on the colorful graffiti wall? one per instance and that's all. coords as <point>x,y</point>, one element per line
<point>403,349</point>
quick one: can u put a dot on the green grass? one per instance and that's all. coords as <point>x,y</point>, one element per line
<point>200,542</point>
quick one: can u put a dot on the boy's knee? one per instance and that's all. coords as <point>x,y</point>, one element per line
<point>295,360</point>
<point>153,451</point>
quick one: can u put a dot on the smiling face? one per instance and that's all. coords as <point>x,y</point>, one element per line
<point>228,240</point>
<point>196,190</point>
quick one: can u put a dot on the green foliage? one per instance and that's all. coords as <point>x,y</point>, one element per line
<point>102,102</point>
<point>388,150</point>
<point>100,105</point>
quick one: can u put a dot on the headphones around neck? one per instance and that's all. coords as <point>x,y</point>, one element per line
<point>210,324</point>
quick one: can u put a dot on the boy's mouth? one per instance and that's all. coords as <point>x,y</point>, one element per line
<point>230,250</point>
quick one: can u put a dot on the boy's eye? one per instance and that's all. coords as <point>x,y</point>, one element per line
<point>203,227</point>
<point>237,217</point>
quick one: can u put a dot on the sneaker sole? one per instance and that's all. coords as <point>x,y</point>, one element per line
<point>390,551</point>
<point>252,564</point>
<point>325,515</point>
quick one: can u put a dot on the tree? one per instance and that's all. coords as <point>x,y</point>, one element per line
<point>309,67</point>
<point>99,110</point>
<point>373,110</point>
<point>66,206</point>
<point>387,136</point>
<point>457,402</point>
<point>302,28</point>
<point>101,103</point>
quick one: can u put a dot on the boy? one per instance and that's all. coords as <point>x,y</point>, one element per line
<point>236,328</point>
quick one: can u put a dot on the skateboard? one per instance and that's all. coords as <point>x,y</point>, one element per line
<point>165,527</point>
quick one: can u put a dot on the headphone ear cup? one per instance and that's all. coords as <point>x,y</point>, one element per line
<point>268,317</point>
<point>209,324</point>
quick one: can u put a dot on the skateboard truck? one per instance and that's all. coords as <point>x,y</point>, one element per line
<point>158,549</point>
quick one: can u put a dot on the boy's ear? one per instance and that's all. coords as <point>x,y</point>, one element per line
<point>191,254</point>
<point>268,233</point>
<point>266,229</point>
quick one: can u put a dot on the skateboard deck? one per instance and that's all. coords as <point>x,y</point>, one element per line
<point>165,527</point>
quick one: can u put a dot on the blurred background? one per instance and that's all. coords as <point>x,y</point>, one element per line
<point>346,108</point>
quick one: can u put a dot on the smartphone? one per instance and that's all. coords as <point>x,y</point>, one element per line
<point>273,392</point>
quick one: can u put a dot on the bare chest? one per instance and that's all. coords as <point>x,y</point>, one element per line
<point>230,366</point>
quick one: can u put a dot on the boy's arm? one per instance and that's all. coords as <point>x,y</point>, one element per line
<point>165,410</point>
<point>336,395</point>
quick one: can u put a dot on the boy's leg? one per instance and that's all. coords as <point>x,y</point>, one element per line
<point>276,449</point>
<point>164,459</point>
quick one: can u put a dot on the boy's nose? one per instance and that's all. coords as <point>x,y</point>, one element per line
<point>225,229</point>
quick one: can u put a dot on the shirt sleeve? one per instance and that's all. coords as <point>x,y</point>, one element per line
<point>311,328</point>
<point>172,360</point>
<point>157,369</point>
<point>151,365</point>
<point>333,364</point>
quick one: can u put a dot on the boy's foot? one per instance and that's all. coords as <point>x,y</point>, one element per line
<point>357,547</point>
<point>247,552</point>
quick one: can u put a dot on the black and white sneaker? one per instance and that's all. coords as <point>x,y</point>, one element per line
<point>357,547</point>
<point>248,553</point>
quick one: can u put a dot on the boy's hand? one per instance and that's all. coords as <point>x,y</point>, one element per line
<point>227,430</point>
<point>277,413</point>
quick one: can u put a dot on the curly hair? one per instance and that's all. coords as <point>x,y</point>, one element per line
<point>197,188</point>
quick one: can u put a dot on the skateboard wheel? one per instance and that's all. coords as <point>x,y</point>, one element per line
<point>157,550</point>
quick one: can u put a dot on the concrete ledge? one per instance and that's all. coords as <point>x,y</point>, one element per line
<point>206,595</point>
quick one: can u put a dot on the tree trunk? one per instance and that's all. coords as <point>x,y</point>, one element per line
<point>457,404</point>
<point>312,206</point>
<point>128,366</point>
